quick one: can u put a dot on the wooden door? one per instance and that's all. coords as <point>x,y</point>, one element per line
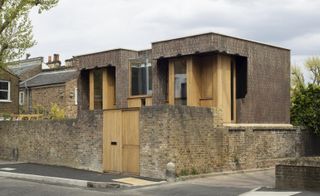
<point>112,141</point>
<point>130,142</point>
<point>121,150</point>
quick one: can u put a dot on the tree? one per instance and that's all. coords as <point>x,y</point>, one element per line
<point>305,108</point>
<point>15,26</point>
<point>313,65</point>
<point>297,79</point>
<point>305,98</point>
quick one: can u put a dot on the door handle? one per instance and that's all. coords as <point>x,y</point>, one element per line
<point>114,143</point>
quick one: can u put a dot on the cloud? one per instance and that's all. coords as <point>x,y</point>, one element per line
<point>93,25</point>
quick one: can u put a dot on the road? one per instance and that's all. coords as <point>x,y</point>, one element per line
<point>228,185</point>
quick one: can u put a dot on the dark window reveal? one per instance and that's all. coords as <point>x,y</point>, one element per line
<point>141,78</point>
<point>241,77</point>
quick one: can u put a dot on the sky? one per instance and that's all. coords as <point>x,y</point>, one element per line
<point>77,27</point>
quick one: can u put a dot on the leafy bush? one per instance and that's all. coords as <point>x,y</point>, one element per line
<point>305,107</point>
<point>56,112</point>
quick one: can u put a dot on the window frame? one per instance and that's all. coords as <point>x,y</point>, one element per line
<point>21,95</point>
<point>147,64</point>
<point>8,91</point>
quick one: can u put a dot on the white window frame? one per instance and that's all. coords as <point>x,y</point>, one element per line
<point>8,91</point>
<point>21,98</point>
<point>75,96</point>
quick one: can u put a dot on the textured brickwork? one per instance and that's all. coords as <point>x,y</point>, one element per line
<point>72,143</point>
<point>71,107</point>
<point>13,106</point>
<point>188,137</point>
<point>268,96</point>
<point>46,96</point>
<point>302,174</point>
<point>62,94</point>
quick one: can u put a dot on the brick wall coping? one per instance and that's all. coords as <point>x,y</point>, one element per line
<point>249,125</point>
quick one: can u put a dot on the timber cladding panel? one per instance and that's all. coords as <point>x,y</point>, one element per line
<point>187,137</point>
<point>71,143</point>
<point>268,93</point>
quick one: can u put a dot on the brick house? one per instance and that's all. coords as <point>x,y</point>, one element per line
<point>9,89</point>
<point>51,86</point>
<point>242,83</point>
<point>247,81</point>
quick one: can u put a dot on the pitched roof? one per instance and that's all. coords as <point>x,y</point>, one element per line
<point>8,71</point>
<point>22,66</point>
<point>50,78</point>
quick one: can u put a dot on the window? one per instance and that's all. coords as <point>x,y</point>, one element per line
<point>141,78</point>
<point>4,91</point>
<point>180,82</point>
<point>21,98</point>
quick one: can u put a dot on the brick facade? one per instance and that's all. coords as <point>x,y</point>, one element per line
<point>13,106</point>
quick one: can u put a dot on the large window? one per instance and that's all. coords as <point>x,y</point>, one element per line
<point>4,91</point>
<point>141,78</point>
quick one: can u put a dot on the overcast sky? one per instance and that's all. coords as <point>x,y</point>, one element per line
<point>80,26</point>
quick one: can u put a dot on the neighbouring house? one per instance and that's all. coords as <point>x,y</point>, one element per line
<point>206,103</point>
<point>26,68</point>
<point>57,86</point>
<point>9,92</point>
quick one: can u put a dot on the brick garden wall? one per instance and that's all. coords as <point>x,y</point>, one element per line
<point>72,143</point>
<point>187,137</point>
<point>301,173</point>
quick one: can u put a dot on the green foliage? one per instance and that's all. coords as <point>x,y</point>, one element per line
<point>56,112</point>
<point>297,79</point>
<point>15,26</point>
<point>305,108</point>
<point>313,65</point>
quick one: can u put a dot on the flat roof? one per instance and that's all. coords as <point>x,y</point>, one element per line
<point>228,36</point>
<point>106,51</point>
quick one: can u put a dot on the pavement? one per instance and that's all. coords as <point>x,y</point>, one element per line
<point>69,176</point>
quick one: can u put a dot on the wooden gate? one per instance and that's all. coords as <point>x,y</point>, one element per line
<point>121,141</point>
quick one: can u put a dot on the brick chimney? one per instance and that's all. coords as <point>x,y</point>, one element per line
<point>55,63</point>
<point>56,57</point>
